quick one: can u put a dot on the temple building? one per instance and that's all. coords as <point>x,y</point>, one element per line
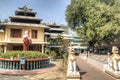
<point>11,32</point>
<point>54,34</point>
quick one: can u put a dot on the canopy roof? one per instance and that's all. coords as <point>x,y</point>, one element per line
<point>56,29</point>
<point>24,24</point>
<point>25,17</point>
<point>25,9</point>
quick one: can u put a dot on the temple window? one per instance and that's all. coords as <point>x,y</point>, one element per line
<point>16,33</point>
<point>34,34</point>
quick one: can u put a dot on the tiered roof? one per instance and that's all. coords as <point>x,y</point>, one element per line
<point>54,29</point>
<point>25,16</point>
<point>25,11</point>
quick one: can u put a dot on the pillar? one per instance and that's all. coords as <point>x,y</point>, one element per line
<point>42,48</point>
<point>0,47</point>
<point>5,48</point>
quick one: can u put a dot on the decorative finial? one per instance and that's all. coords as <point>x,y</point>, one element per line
<point>25,8</point>
<point>53,22</point>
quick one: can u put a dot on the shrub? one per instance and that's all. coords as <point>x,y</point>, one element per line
<point>27,54</point>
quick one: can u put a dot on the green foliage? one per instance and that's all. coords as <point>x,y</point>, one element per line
<point>27,54</point>
<point>47,50</point>
<point>59,39</point>
<point>109,2</point>
<point>43,23</point>
<point>53,54</point>
<point>63,49</point>
<point>100,20</point>
<point>1,50</point>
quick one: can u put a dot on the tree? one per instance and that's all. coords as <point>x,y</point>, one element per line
<point>59,39</point>
<point>97,18</point>
<point>63,49</point>
<point>109,2</point>
<point>43,23</point>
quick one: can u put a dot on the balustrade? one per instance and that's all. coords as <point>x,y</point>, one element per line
<point>30,64</point>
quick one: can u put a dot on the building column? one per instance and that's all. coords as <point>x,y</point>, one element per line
<point>0,49</point>
<point>42,48</point>
<point>5,48</point>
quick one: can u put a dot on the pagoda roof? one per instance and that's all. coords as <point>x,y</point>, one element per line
<point>54,35</point>
<point>46,33</point>
<point>56,29</point>
<point>53,24</point>
<point>25,9</point>
<point>65,38</point>
<point>24,25</point>
<point>25,17</point>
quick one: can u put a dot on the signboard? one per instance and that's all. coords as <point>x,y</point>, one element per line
<point>22,60</point>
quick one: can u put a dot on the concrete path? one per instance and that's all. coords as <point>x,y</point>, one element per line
<point>89,72</point>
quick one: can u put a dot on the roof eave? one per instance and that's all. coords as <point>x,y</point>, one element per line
<point>24,24</point>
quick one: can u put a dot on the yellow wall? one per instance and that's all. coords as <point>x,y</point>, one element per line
<point>6,36</point>
<point>40,37</point>
<point>2,36</point>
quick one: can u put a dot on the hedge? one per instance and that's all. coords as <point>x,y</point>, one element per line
<point>27,54</point>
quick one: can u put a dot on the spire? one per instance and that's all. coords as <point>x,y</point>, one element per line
<point>25,8</point>
<point>52,23</point>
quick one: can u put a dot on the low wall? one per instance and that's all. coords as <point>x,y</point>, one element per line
<point>30,64</point>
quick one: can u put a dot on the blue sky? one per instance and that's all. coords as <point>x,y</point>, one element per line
<point>48,10</point>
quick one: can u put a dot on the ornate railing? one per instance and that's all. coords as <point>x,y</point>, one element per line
<point>30,64</point>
